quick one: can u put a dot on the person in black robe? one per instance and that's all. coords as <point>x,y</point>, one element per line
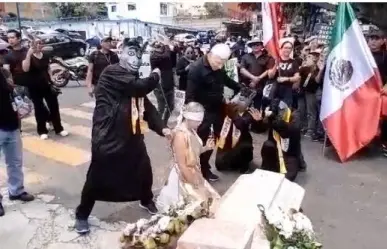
<point>235,147</point>
<point>120,168</point>
<point>288,146</point>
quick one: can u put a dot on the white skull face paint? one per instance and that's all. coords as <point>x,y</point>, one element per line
<point>131,58</point>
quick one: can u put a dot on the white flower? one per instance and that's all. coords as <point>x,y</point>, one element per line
<point>129,229</point>
<point>164,222</point>
<point>303,223</point>
<point>141,222</point>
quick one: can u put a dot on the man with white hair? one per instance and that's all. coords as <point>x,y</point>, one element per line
<point>205,85</point>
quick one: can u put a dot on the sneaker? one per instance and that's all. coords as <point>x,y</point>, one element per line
<point>82,226</point>
<point>64,133</point>
<point>150,207</point>
<point>1,210</point>
<point>44,136</point>
<point>211,177</point>
<point>26,197</point>
<point>308,134</point>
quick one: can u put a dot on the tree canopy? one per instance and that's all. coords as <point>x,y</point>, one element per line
<point>80,9</point>
<point>374,13</point>
<point>214,9</point>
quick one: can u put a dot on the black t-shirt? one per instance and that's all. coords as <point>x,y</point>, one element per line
<point>38,72</point>
<point>256,65</point>
<point>14,59</point>
<point>287,68</point>
<point>308,79</point>
<point>9,120</point>
<point>100,62</point>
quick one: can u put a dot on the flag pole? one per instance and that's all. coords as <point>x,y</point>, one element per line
<point>324,144</point>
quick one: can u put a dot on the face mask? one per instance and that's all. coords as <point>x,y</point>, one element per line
<point>131,58</point>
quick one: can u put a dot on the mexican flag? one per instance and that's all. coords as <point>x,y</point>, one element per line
<point>351,101</point>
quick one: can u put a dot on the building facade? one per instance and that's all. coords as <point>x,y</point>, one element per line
<point>155,11</point>
<point>28,10</point>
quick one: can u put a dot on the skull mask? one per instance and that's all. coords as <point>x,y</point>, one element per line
<point>131,56</point>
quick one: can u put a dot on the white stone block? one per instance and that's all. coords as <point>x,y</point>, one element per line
<point>216,234</point>
<point>240,203</point>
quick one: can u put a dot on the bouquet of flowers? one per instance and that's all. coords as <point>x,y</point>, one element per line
<point>288,230</point>
<point>162,230</point>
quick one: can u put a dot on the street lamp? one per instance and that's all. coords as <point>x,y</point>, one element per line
<point>18,16</point>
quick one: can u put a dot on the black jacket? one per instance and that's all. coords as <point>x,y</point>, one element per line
<point>207,86</point>
<point>161,58</point>
<point>291,130</point>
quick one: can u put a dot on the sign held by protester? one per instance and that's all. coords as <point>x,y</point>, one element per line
<point>232,71</point>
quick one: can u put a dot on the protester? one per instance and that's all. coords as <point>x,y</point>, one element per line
<point>375,43</point>
<point>10,142</point>
<point>198,53</point>
<point>185,180</point>
<point>183,66</point>
<point>205,85</point>
<point>281,152</point>
<point>286,74</point>
<point>235,145</point>
<point>161,58</point>
<point>98,61</point>
<point>120,167</point>
<point>307,102</point>
<point>254,69</point>
<point>13,63</point>
<point>36,65</point>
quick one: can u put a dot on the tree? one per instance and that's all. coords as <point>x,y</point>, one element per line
<point>292,11</point>
<point>374,13</point>
<point>63,10</point>
<point>214,9</point>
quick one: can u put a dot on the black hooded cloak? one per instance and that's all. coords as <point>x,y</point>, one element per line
<point>120,168</point>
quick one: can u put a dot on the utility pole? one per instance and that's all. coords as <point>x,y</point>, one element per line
<point>18,16</point>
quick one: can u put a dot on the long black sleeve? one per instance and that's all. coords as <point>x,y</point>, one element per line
<point>181,65</point>
<point>142,87</point>
<point>153,118</point>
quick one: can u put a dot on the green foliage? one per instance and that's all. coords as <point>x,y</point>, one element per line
<point>214,9</point>
<point>373,12</point>
<point>80,9</point>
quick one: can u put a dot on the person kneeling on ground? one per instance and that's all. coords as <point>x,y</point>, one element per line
<point>235,146</point>
<point>280,153</point>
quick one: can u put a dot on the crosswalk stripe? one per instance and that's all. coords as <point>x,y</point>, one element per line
<point>76,113</point>
<point>80,130</point>
<point>56,151</point>
<point>90,104</point>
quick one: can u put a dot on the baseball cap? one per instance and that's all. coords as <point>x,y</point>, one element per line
<point>376,33</point>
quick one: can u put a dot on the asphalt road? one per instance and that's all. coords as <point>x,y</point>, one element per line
<point>347,203</point>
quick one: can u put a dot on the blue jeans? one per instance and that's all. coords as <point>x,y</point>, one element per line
<point>12,148</point>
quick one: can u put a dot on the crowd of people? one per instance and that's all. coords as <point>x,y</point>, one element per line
<point>281,97</point>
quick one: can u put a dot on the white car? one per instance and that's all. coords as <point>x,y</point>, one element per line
<point>187,38</point>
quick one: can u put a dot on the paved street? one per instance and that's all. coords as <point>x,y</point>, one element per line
<point>346,202</point>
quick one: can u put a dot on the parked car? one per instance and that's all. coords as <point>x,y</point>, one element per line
<point>202,37</point>
<point>187,38</point>
<point>70,33</point>
<point>63,45</point>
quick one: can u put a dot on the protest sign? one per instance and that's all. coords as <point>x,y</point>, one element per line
<point>179,100</point>
<point>232,72</point>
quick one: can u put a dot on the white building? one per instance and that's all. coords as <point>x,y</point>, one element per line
<point>154,11</point>
<point>191,8</point>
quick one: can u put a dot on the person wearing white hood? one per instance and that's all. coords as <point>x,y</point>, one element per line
<point>205,85</point>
